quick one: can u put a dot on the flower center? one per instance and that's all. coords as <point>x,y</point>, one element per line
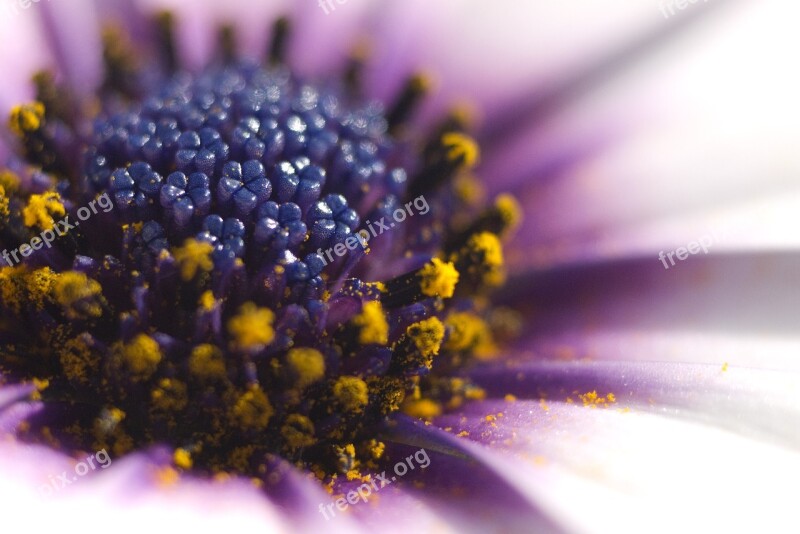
<point>242,263</point>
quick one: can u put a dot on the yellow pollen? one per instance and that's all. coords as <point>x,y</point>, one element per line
<point>253,410</point>
<point>485,255</point>
<point>422,408</point>
<point>593,400</point>
<point>79,295</point>
<point>4,202</point>
<point>182,459</point>
<point>467,331</point>
<point>141,356</point>
<point>206,362</point>
<point>9,181</point>
<point>42,210</point>
<point>427,336</point>
<point>307,365</point>
<point>170,395</point>
<point>252,328</point>
<point>26,118</point>
<point>78,361</point>
<point>207,300</point>
<point>298,431</point>
<point>192,257</point>
<point>351,392</point>
<point>372,323</point>
<point>509,210</point>
<point>461,148</point>
<point>439,279</point>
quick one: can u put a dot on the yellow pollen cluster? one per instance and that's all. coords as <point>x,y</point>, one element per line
<point>438,279</point>
<point>78,361</point>
<point>182,459</point>
<point>372,323</point>
<point>21,287</point>
<point>593,400</point>
<point>206,362</point>
<point>467,330</point>
<point>207,300</point>
<point>170,395</point>
<point>461,148</point>
<point>486,255</point>
<point>298,431</point>
<point>79,295</point>
<point>252,327</point>
<point>9,181</point>
<point>192,257</point>
<point>307,365</point>
<point>509,210</point>
<point>351,392</point>
<point>252,410</point>
<point>141,356</point>
<point>3,204</point>
<point>42,210</point>
<point>26,118</point>
<point>427,336</point>
<point>422,408</point>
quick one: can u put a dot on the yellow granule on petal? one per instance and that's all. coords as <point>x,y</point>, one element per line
<point>252,410</point>
<point>422,408</point>
<point>192,257</point>
<point>182,459</point>
<point>141,356</point>
<point>372,323</point>
<point>42,210</point>
<point>427,336</point>
<point>252,327</point>
<point>307,365</point>
<point>438,279</point>
<point>593,400</point>
<point>351,392</point>
<point>206,362</point>
<point>166,477</point>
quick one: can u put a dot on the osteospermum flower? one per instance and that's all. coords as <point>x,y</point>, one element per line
<point>284,287</point>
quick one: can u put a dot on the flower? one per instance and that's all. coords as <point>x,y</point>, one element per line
<point>562,429</point>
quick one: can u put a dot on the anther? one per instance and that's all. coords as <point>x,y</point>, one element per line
<point>455,152</point>
<point>415,90</point>
<point>280,38</point>
<point>165,29</point>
